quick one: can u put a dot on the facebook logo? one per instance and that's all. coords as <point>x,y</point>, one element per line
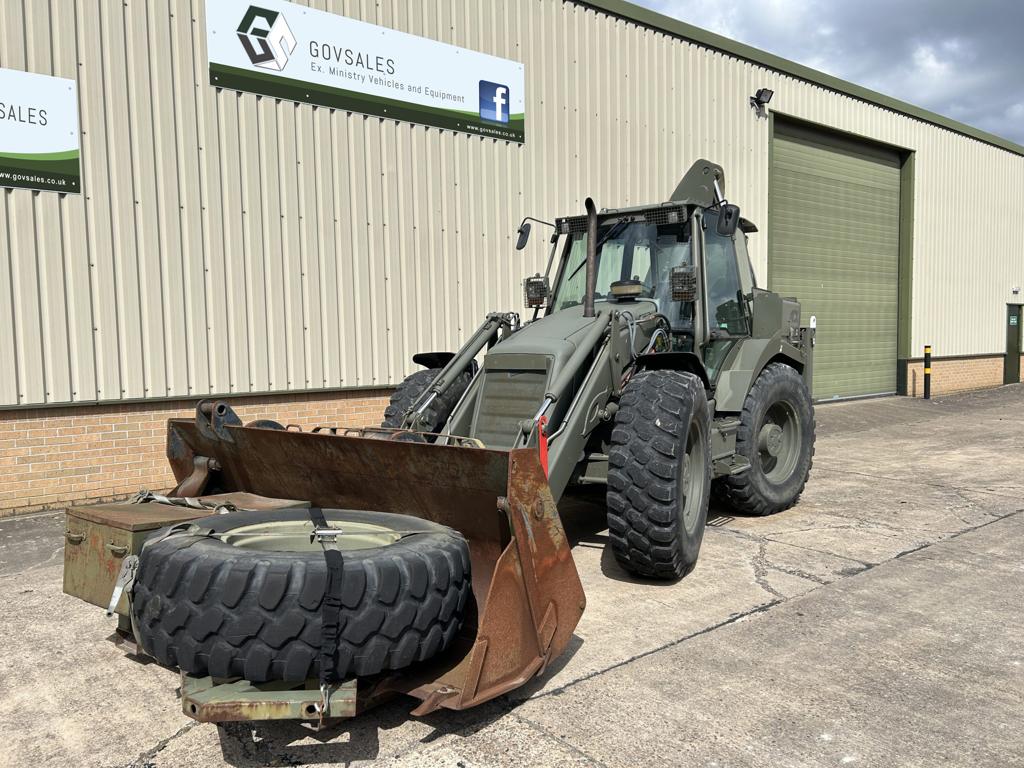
<point>494,102</point>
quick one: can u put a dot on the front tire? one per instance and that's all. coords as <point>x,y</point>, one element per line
<point>776,435</point>
<point>414,385</point>
<point>659,474</point>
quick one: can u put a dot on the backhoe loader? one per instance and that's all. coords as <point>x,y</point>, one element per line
<point>426,556</point>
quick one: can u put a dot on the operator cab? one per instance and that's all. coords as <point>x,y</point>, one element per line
<point>643,247</point>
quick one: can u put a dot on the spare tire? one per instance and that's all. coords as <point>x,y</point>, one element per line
<point>221,597</point>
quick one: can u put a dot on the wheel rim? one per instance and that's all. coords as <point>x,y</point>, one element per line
<point>692,478</point>
<point>779,441</point>
<point>293,536</point>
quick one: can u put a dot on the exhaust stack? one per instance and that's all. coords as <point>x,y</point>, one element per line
<point>588,298</point>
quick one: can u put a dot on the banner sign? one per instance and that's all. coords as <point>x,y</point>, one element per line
<point>289,51</point>
<point>39,141</point>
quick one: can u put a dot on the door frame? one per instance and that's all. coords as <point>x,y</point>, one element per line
<point>1009,356</point>
<point>905,259</point>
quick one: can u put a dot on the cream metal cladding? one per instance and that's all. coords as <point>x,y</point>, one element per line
<point>226,243</point>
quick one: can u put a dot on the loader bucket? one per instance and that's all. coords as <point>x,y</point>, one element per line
<point>527,590</point>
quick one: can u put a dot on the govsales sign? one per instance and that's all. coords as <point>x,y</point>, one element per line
<point>301,54</point>
<point>38,132</point>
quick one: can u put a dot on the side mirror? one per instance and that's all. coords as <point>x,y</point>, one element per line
<point>728,219</point>
<point>524,235</point>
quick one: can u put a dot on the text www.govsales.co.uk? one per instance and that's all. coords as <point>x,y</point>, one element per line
<point>8,176</point>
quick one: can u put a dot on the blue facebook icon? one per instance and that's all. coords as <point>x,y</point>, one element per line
<point>494,102</point>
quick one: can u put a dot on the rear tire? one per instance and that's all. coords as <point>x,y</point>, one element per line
<point>416,384</point>
<point>659,474</point>
<point>776,435</point>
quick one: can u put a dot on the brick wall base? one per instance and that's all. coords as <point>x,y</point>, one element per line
<point>51,457</point>
<point>955,374</point>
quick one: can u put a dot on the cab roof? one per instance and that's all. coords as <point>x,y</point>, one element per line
<point>658,213</point>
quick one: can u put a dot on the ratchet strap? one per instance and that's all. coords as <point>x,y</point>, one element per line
<point>146,497</point>
<point>330,611</point>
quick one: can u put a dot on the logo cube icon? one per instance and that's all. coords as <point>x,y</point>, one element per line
<point>266,37</point>
<point>495,101</point>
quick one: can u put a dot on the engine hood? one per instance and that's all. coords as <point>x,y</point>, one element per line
<point>519,371</point>
<point>556,336</point>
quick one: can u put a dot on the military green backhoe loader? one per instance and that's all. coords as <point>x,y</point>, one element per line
<point>655,365</point>
<point>426,556</point>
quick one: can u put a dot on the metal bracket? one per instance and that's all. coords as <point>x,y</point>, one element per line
<point>215,701</point>
<point>323,535</point>
<point>323,709</point>
<point>195,483</point>
<point>213,418</point>
<point>125,580</point>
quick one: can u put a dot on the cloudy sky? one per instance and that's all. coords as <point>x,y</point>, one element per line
<point>964,60</point>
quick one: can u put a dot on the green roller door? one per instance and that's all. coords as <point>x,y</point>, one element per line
<point>834,235</point>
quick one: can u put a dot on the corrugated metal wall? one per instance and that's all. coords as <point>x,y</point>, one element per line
<point>227,243</point>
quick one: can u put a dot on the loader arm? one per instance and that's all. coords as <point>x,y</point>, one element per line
<point>496,326</point>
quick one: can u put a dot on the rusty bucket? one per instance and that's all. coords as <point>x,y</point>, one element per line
<point>527,590</point>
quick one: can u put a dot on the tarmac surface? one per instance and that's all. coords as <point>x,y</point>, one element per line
<point>880,622</point>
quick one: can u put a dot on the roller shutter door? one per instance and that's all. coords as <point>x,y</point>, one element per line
<point>834,234</point>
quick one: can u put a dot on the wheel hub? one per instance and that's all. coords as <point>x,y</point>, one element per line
<point>770,439</point>
<point>294,536</point>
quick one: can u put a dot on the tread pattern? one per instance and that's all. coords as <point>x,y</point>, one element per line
<point>648,441</point>
<point>749,491</point>
<point>412,387</point>
<point>210,608</point>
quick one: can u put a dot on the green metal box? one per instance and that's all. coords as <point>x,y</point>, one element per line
<point>99,536</point>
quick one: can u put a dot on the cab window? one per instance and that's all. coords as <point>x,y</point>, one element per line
<point>726,302</point>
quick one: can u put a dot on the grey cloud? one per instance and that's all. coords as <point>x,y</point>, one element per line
<point>962,60</point>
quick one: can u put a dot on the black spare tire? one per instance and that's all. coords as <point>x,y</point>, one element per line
<point>221,597</point>
<point>414,385</point>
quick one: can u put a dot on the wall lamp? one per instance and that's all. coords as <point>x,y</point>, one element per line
<point>760,100</point>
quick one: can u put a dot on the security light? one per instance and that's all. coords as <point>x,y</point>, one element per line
<point>760,100</point>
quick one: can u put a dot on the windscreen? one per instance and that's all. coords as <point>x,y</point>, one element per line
<point>634,250</point>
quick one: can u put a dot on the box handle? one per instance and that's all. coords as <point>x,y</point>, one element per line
<point>74,538</point>
<point>117,551</point>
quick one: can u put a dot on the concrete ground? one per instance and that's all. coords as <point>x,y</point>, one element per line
<point>878,623</point>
